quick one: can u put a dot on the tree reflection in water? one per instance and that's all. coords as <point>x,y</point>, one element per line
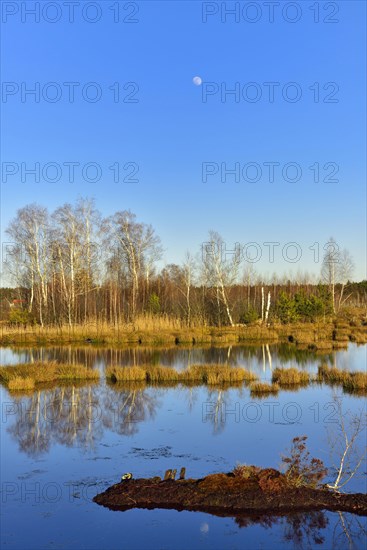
<point>305,530</point>
<point>76,415</point>
<point>65,415</point>
<point>125,408</point>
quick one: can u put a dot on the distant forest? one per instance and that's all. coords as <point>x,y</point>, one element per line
<point>73,266</point>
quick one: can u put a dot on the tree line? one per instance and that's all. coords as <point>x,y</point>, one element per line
<point>74,266</point>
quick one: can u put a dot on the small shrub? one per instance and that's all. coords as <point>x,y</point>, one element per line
<point>249,316</point>
<point>300,470</point>
<point>20,317</point>
<point>154,304</point>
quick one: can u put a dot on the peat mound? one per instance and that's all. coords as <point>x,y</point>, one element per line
<point>227,495</point>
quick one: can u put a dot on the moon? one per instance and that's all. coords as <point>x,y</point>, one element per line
<point>197,80</point>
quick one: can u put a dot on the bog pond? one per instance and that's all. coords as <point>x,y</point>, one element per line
<point>63,444</point>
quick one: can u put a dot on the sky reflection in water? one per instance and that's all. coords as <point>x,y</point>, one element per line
<point>62,445</point>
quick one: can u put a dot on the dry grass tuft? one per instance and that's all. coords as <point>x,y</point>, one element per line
<point>195,374</point>
<point>158,375</point>
<point>290,377</point>
<point>332,375</point>
<point>357,382</point>
<point>351,381</point>
<point>262,388</point>
<point>18,383</point>
<point>76,372</point>
<point>44,372</point>
<point>245,471</point>
<point>125,374</point>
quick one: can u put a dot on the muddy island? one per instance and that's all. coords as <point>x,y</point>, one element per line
<point>265,491</point>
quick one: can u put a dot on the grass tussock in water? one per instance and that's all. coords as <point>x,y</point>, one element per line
<point>357,382</point>
<point>290,377</point>
<point>76,372</point>
<point>157,374</point>
<point>351,381</point>
<point>23,375</point>
<point>262,388</point>
<point>125,374</point>
<point>21,384</point>
<point>210,374</point>
<point>332,375</point>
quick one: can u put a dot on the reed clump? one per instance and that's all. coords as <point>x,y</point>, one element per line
<point>20,384</point>
<point>290,377</point>
<point>357,382</point>
<point>125,374</point>
<point>43,372</point>
<point>159,375</point>
<point>332,375</point>
<point>76,372</point>
<point>263,388</point>
<point>210,374</point>
<point>351,381</point>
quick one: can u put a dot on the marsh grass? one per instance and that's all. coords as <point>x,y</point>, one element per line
<point>208,374</point>
<point>263,388</point>
<point>76,372</point>
<point>246,471</point>
<point>290,377</point>
<point>332,375</point>
<point>351,381</point>
<point>43,372</point>
<point>356,383</point>
<point>162,329</point>
<point>146,329</point>
<point>125,374</point>
<point>21,384</point>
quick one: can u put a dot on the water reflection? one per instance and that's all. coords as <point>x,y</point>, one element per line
<point>149,429</point>
<point>261,357</point>
<point>303,530</point>
<point>124,410</point>
<point>77,416</point>
<point>310,529</point>
<point>64,415</point>
<point>349,530</point>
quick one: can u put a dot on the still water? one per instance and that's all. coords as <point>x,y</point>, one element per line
<point>63,445</point>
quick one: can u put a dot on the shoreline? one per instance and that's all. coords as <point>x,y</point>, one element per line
<point>325,336</point>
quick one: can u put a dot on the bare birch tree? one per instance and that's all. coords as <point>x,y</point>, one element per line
<point>344,273</point>
<point>29,232</point>
<point>219,271</point>
<point>329,267</point>
<point>137,246</point>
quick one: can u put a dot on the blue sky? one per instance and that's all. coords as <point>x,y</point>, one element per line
<point>171,131</point>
